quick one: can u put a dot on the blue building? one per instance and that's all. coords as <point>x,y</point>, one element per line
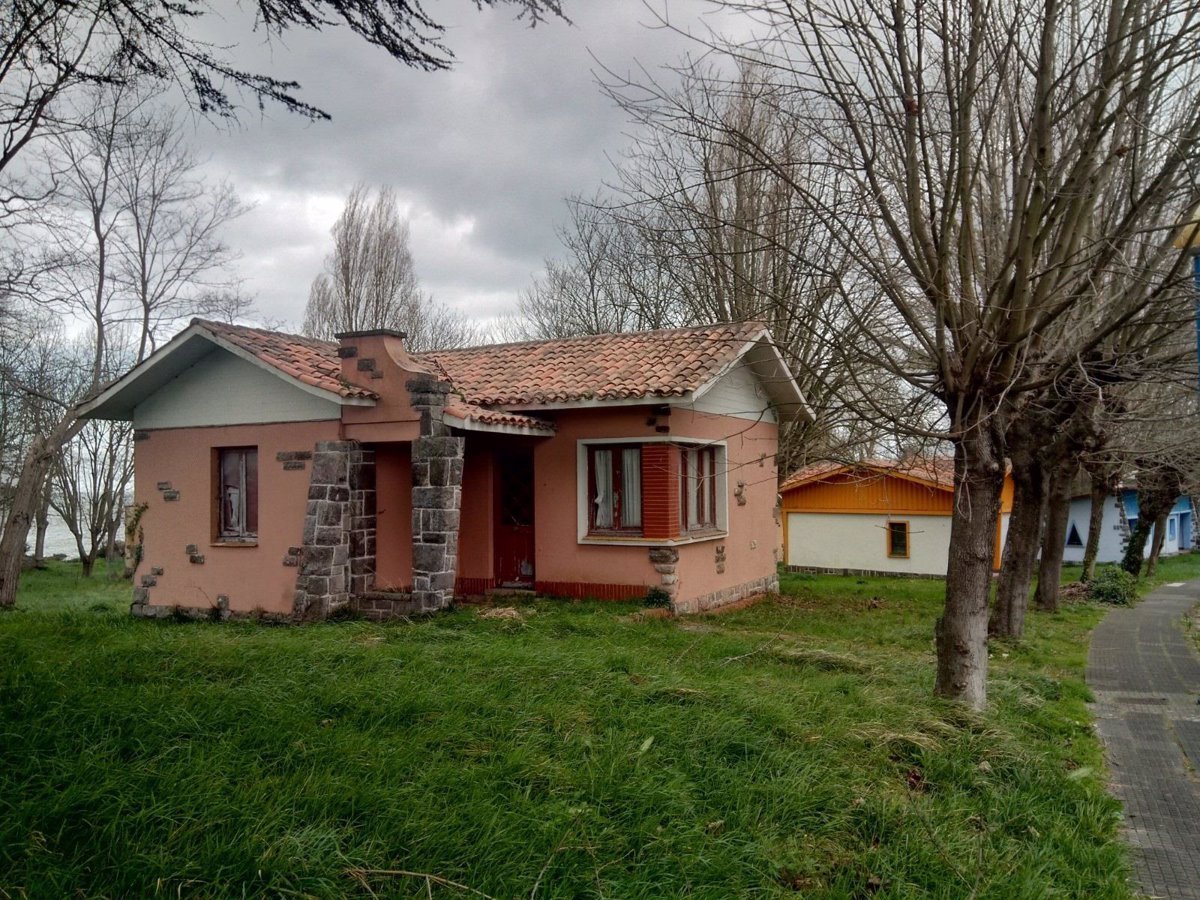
<point>1120,518</point>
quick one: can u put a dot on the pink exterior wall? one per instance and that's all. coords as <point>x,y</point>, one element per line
<point>252,577</point>
<point>476,558</point>
<point>392,418</point>
<point>753,533</point>
<point>393,518</point>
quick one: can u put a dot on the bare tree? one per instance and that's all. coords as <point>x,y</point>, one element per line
<point>957,154</point>
<point>369,280</point>
<point>696,230</point>
<point>131,242</point>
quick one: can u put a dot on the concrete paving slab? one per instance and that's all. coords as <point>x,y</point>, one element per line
<point>1145,675</point>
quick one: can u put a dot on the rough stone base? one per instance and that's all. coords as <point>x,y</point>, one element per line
<point>768,584</point>
<point>861,573</point>
<point>204,613</point>
<point>382,606</point>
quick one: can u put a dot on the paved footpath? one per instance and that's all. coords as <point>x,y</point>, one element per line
<point>1145,674</point>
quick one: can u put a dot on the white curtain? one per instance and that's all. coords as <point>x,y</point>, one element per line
<point>631,488</point>
<point>689,486</point>
<point>604,495</point>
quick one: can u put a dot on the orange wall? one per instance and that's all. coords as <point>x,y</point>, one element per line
<point>886,494</point>
<point>393,525</point>
<point>850,492</point>
<point>753,535</point>
<point>251,577</point>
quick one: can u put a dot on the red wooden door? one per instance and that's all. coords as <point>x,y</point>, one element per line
<point>514,518</point>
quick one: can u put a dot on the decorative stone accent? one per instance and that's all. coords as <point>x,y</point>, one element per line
<point>293,455</point>
<point>191,549</point>
<point>768,584</point>
<point>196,559</point>
<point>141,436</point>
<point>164,485</point>
<point>720,559</point>
<point>437,468</point>
<point>862,573</point>
<point>740,493</point>
<point>293,464</point>
<point>149,581</point>
<point>347,352</point>
<point>156,570</point>
<point>366,365</point>
<point>665,561</point>
<point>337,558</point>
<point>170,495</point>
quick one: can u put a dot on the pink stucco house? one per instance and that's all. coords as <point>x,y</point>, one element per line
<point>281,475</point>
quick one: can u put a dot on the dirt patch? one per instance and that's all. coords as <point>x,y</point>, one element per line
<point>500,612</point>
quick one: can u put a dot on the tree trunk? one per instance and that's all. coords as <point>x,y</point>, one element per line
<point>1054,537</point>
<point>42,526</point>
<point>26,494</point>
<point>1020,550</point>
<point>961,632</point>
<point>1156,543</point>
<point>1100,496</point>
<point>1152,503</point>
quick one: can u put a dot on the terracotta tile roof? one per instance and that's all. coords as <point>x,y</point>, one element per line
<point>461,409</point>
<point>935,470</point>
<point>305,359</point>
<point>666,363</point>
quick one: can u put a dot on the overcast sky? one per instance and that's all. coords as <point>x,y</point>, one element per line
<point>480,157</point>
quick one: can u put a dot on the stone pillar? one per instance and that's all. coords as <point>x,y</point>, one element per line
<point>338,552</point>
<point>665,560</point>
<point>437,467</point>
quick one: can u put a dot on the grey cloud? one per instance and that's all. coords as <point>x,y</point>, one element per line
<point>498,141</point>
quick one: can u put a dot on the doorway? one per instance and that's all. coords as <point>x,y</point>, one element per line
<point>514,517</point>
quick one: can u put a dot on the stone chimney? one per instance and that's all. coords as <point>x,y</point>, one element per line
<point>367,355</point>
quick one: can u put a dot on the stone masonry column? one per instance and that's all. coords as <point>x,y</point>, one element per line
<point>338,552</point>
<point>437,467</point>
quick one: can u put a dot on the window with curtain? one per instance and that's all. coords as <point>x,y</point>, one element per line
<point>698,488</point>
<point>237,493</point>
<point>615,489</point>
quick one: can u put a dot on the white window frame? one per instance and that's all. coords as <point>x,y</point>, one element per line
<point>581,493</point>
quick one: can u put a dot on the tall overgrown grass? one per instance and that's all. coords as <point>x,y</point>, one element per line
<point>791,748</point>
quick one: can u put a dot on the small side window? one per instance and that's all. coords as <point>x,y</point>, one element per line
<point>897,539</point>
<point>237,494</point>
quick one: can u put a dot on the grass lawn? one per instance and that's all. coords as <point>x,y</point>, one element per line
<point>787,749</point>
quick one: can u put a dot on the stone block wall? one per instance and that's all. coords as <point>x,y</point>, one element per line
<point>337,556</point>
<point>768,584</point>
<point>437,469</point>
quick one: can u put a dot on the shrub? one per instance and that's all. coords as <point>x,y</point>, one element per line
<point>657,598</point>
<point>1113,585</point>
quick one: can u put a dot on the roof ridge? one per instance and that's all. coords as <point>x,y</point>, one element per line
<point>220,326</point>
<point>681,329</point>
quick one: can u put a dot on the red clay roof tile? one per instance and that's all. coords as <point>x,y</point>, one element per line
<point>606,367</point>
<point>666,363</point>
<point>305,359</point>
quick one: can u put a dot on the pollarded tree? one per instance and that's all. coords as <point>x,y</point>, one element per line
<point>369,280</point>
<point>959,149</point>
